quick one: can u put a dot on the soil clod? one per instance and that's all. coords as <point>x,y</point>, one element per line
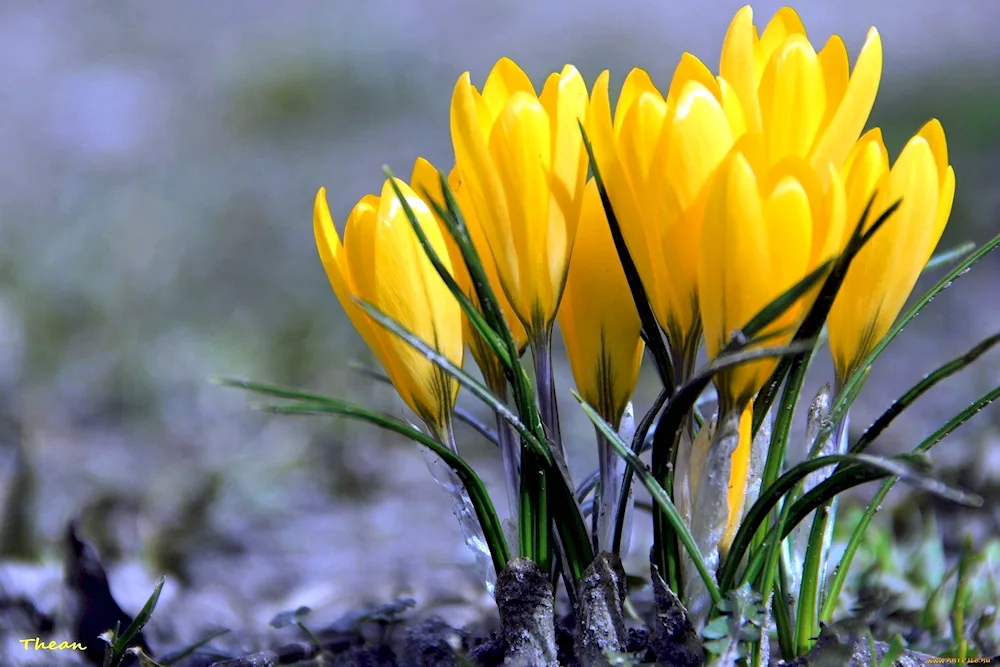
<point>524,597</point>
<point>600,626</point>
<point>674,640</point>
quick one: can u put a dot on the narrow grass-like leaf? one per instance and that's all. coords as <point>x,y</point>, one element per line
<point>783,613</point>
<point>659,495</point>
<point>532,434</point>
<point>574,537</point>
<point>650,327</point>
<point>966,562</point>
<point>671,422</point>
<point>121,641</point>
<point>478,389</point>
<point>569,524</point>
<point>920,388</point>
<point>177,656</point>
<point>798,366</point>
<point>533,522</point>
<point>523,394</point>
<point>929,617</point>
<point>854,542</point>
<point>807,607</point>
<point>273,391</point>
<point>638,444</point>
<point>536,533</point>
<point>687,395</point>
<point>461,414</point>
<point>864,468</point>
<point>907,467</point>
<point>780,306</point>
<point>892,654</point>
<point>768,500</point>
<point>485,512</point>
<point>849,392</point>
<point>450,213</point>
<point>476,319</point>
<point>587,486</point>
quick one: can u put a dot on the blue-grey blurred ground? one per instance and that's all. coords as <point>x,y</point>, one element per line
<point>158,169</point>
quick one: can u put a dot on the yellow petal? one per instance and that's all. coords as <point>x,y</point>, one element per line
<point>733,271</point>
<point>883,273</point>
<point>505,79</point>
<point>331,253</point>
<point>470,128</point>
<point>355,261</point>
<point>636,83</point>
<point>792,99</point>
<point>426,182</point>
<point>408,289</point>
<point>849,120</point>
<point>830,222</point>
<point>737,65</point>
<point>565,101</point>
<point>753,249</point>
<point>867,167</point>
<point>519,147</point>
<point>945,199</point>
<point>836,75</point>
<point>700,138</point>
<point>360,247</point>
<point>786,22</point>
<point>738,478</point>
<point>689,69</point>
<point>914,180</point>
<point>484,357</point>
<point>637,140</point>
<point>696,140</point>
<point>623,192</point>
<point>933,133</point>
<point>733,108</point>
<point>598,319</point>
<point>788,217</point>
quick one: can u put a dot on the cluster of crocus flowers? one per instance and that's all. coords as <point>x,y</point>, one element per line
<point>775,207</point>
<point>729,190</point>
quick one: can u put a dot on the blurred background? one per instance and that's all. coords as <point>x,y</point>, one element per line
<point>158,170</point>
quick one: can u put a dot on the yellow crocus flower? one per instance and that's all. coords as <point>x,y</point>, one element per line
<point>655,158</point>
<point>807,104</point>
<point>766,228</point>
<point>425,178</point>
<point>524,166</point>
<point>883,274</point>
<point>599,322</point>
<point>382,262</point>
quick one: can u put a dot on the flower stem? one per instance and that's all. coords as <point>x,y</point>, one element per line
<point>533,528</point>
<point>666,548</point>
<point>510,454</point>
<point>548,409</point>
<point>446,436</point>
